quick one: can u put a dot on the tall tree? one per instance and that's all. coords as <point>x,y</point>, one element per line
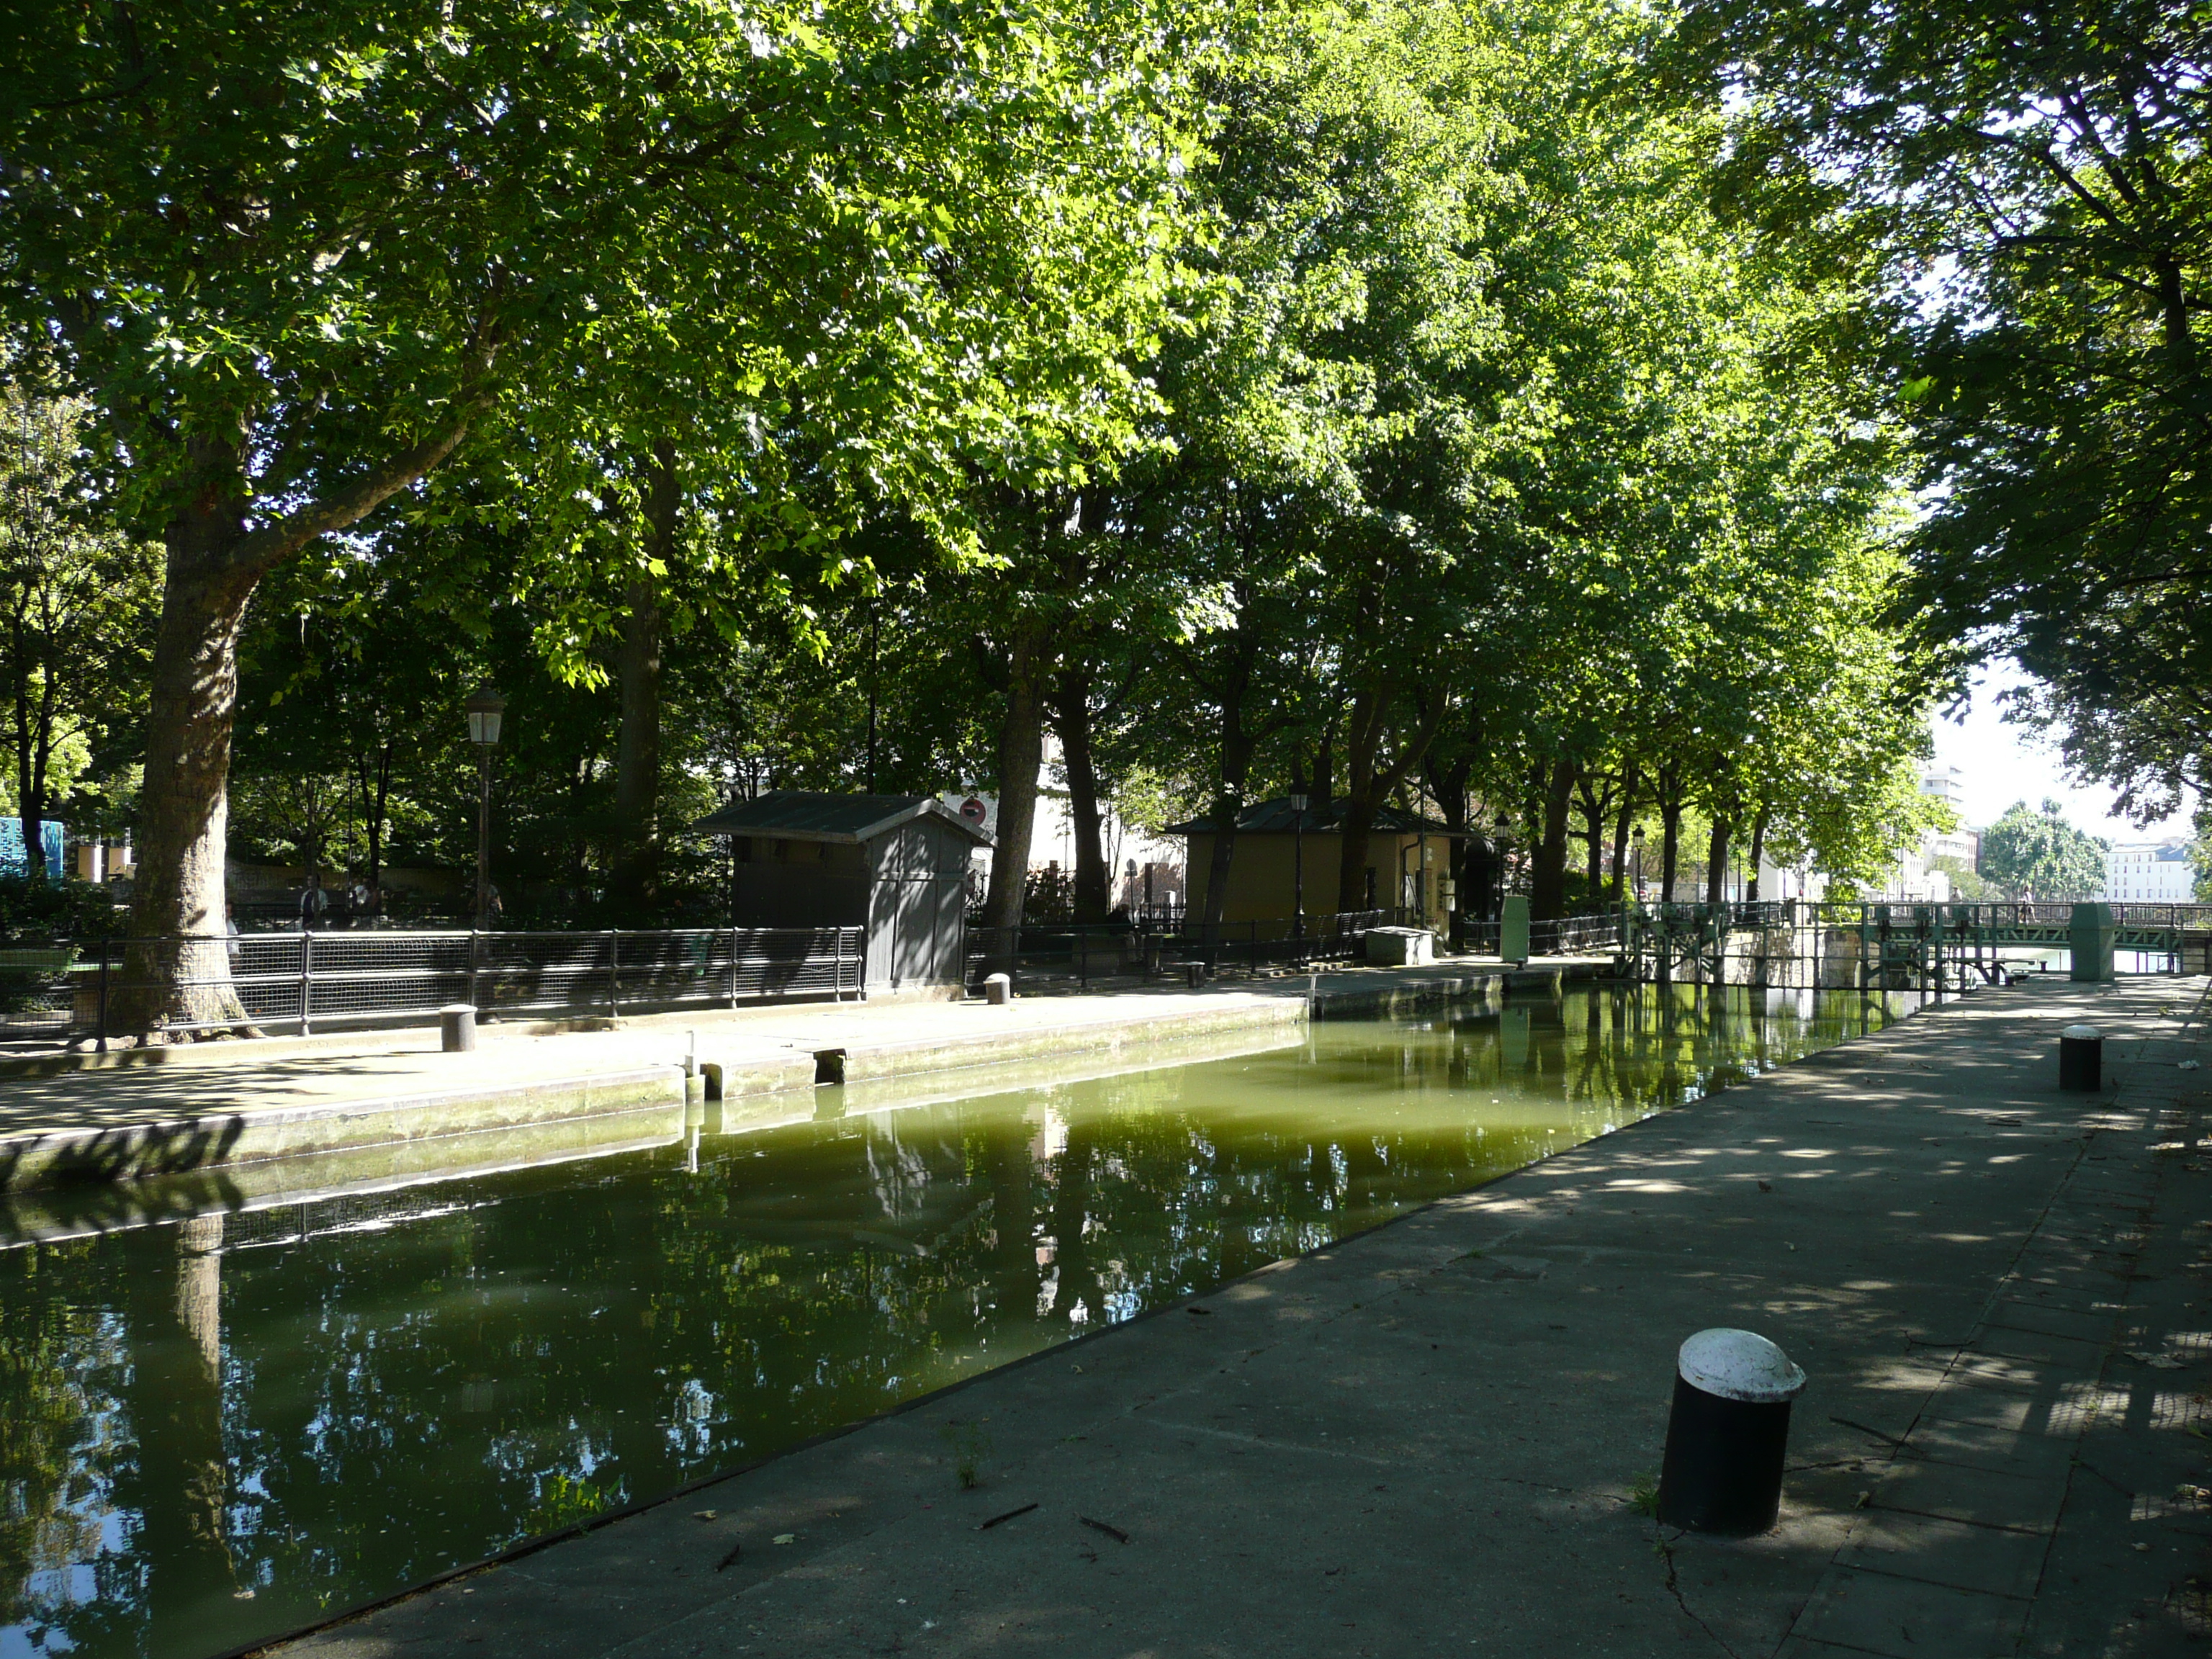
<point>297,260</point>
<point>77,606</point>
<point>2028,183</point>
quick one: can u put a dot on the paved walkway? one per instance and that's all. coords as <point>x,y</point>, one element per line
<point>1429,1439</point>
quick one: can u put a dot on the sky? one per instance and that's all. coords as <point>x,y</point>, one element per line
<point>1999,764</point>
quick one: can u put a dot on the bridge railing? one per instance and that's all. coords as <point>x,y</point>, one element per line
<point>1953,915</point>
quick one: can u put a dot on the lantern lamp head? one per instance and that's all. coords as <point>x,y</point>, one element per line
<point>484,708</point>
<point>1298,800</point>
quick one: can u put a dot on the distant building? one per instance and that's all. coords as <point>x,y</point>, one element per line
<point>1280,855</point>
<point>2149,872</point>
<point>1961,845</point>
<point>1945,783</point>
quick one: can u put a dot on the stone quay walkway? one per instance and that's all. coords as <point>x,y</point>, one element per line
<point>1437,1437</point>
<point>77,1120</point>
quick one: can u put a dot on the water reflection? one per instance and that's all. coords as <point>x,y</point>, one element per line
<point>212,1430</point>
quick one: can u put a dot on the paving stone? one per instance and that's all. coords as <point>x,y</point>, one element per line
<point>1880,1613</point>
<point>1994,1560</point>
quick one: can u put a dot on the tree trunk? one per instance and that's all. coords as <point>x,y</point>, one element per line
<point>34,740</point>
<point>636,874</point>
<point>1021,753</point>
<point>374,772</point>
<point>1369,783</point>
<point>1758,852</point>
<point>1592,803</point>
<point>1448,785</point>
<point>1237,746</point>
<point>213,564</point>
<point>1670,824</point>
<point>1547,887</point>
<point>1072,721</point>
<point>1716,857</point>
<point>1362,735</point>
<point>1624,817</point>
<point>178,970</point>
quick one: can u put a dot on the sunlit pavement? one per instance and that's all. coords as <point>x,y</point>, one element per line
<point>1428,1440</point>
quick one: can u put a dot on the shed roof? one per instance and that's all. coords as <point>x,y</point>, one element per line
<point>1275,817</point>
<point>849,820</point>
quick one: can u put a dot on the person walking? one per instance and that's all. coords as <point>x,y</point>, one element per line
<point>314,903</point>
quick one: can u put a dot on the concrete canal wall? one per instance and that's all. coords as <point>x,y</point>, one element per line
<point>411,1111</point>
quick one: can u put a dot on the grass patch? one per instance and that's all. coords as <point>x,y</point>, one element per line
<point>1644,1495</point>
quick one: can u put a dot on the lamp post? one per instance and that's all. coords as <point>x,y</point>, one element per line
<point>1635,841</point>
<point>1299,863</point>
<point>484,708</point>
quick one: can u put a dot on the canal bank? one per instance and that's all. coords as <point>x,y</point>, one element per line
<point>1432,1438</point>
<point>210,1108</point>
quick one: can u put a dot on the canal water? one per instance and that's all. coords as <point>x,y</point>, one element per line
<point>224,1426</point>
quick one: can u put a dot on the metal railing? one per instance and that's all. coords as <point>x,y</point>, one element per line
<point>1121,949</point>
<point>1558,936</point>
<point>295,983</point>
<point>1924,945</point>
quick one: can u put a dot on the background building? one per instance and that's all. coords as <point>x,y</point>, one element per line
<point>2150,872</point>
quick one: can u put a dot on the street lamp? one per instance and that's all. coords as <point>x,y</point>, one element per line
<point>1635,841</point>
<point>1298,864</point>
<point>484,708</point>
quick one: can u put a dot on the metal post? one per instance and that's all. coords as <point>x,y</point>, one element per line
<point>307,977</point>
<point>1299,875</point>
<point>476,968</point>
<point>102,1035</point>
<point>483,834</point>
<point>733,966</point>
<point>614,974</point>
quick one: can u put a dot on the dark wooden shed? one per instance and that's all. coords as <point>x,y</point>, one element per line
<point>895,865</point>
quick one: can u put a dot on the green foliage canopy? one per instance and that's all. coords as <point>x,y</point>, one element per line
<point>2038,855</point>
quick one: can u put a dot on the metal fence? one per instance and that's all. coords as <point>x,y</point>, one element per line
<point>1927,946</point>
<point>1560,936</point>
<point>297,983</point>
<point>1123,948</point>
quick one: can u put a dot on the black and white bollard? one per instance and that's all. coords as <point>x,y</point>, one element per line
<point>2081,1060</point>
<point>457,1028</point>
<point>998,989</point>
<point>1727,1434</point>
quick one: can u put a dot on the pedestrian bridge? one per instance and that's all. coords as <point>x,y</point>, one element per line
<point>1929,947</point>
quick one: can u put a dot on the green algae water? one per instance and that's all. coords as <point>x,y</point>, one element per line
<point>225,1425</point>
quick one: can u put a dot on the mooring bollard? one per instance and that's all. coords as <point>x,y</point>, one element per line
<point>2082,1058</point>
<point>457,1028</point>
<point>998,989</point>
<point>1194,974</point>
<point>1727,1433</point>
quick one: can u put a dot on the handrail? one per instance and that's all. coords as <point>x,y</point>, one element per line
<point>294,982</point>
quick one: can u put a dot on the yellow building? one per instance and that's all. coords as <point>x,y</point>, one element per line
<point>1408,860</point>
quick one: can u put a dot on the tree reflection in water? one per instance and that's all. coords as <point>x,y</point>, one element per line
<point>216,1429</point>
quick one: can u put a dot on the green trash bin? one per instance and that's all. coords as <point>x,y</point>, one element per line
<point>1513,927</point>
